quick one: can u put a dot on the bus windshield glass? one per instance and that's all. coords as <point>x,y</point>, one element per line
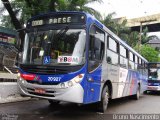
<point>154,74</point>
<point>55,47</point>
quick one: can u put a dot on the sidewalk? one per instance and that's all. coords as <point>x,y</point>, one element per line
<point>9,91</point>
<point>14,98</point>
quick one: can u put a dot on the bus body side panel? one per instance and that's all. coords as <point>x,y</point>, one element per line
<point>144,83</point>
<point>131,82</point>
<point>124,82</point>
<point>93,78</point>
<point>133,78</point>
<point>93,84</point>
<point>113,76</point>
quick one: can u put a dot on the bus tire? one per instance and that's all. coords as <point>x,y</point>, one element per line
<point>145,92</point>
<point>103,104</point>
<point>137,95</point>
<point>53,102</point>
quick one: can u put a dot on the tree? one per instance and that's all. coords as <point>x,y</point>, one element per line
<point>108,21</point>
<point>14,20</point>
<point>119,28</point>
<point>133,38</point>
<point>144,36</point>
<point>124,32</point>
<point>149,53</point>
<point>28,8</point>
<point>80,5</point>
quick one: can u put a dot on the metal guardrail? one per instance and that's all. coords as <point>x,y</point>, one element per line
<point>8,70</point>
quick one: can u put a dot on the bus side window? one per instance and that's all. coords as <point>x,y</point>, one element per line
<point>96,48</point>
<point>91,47</point>
<point>112,51</point>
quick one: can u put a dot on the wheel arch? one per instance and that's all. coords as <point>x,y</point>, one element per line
<point>110,88</point>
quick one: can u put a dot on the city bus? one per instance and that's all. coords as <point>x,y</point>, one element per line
<point>153,77</point>
<point>71,56</point>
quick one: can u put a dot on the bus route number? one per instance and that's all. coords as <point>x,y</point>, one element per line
<point>54,79</point>
<point>37,22</point>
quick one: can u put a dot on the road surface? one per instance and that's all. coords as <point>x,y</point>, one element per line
<point>41,110</point>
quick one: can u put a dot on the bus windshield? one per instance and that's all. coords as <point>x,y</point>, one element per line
<point>55,47</point>
<point>154,74</point>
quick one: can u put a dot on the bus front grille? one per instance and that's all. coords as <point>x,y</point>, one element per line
<point>46,94</point>
<point>42,95</point>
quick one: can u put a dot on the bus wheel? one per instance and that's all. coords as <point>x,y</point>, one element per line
<point>53,102</point>
<point>145,92</point>
<point>103,104</point>
<point>137,95</point>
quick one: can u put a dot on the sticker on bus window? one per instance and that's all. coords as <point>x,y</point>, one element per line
<point>68,59</point>
<point>46,60</point>
<point>45,37</point>
<point>41,53</point>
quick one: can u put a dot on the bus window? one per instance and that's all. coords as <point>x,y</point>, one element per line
<point>112,51</point>
<point>131,59</point>
<point>96,47</point>
<point>112,57</point>
<point>112,45</point>
<point>136,62</point>
<point>123,55</point>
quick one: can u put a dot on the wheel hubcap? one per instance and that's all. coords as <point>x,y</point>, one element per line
<point>138,93</point>
<point>105,101</point>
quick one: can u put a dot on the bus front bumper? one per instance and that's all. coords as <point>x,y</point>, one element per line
<point>153,88</point>
<point>53,92</point>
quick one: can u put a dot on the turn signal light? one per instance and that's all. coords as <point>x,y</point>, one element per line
<point>28,76</point>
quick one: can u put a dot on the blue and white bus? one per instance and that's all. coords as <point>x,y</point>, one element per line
<point>153,77</point>
<point>71,56</point>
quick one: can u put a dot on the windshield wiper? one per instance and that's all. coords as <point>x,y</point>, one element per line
<point>61,32</point>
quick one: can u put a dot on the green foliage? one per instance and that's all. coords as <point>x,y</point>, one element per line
<point>159,58</point>
<point>148,52</point>
<point>133,38</point>
<point>144,36</point>
<point>121,30</point>
<point>8,24</point>
<point>28,8</point>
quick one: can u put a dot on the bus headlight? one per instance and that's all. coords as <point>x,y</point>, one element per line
<point>18,76</point>
<point>78,78</point>
<point>72,82</point>
<point>62,85</point>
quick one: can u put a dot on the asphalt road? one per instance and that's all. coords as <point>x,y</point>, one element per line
<point>42,110</point>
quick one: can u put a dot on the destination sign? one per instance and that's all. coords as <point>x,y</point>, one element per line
<point>58,19</point>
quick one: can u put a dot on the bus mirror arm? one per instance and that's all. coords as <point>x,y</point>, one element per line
<point>23,29</point>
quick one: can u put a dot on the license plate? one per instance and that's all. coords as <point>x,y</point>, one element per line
<point>41,91</point>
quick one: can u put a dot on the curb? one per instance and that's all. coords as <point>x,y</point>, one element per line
<point>14,99</point>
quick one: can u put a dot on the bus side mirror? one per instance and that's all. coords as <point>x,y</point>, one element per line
<point>19,42</point>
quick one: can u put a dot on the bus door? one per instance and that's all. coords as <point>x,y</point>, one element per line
<point>95,55</point>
